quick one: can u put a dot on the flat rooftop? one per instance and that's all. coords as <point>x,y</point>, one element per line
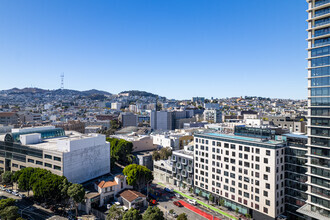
<point>242,138</point>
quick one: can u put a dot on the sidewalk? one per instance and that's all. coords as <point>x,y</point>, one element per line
<point>199,201</point>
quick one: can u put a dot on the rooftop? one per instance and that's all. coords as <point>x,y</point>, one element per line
<point>242,138</point>
<point>131,195</point>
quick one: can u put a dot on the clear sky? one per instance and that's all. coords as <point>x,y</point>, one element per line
<point>174,48</point>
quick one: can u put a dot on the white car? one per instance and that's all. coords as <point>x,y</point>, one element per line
<point>192,201</point>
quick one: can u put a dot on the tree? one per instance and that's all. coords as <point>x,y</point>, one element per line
<point>77,193</point>
<point>9,213</point>
<point>153,213</point>
<point>64,189</point>
<point>200,193</point>
<point>121,151</point>
<point>115,213</point>
<point>24,179</point>
<point>16,176</point>
<point>236,210</point>
<point>165,153</point>
<point>171,211</point>
<point>155,155</point>
<point>182,216</point>
<point>7,177</point>
<point>6,202</point>
<point>222,202</point>
<point>137,176</point>
<point>132,214</point>
<point>211,198</point>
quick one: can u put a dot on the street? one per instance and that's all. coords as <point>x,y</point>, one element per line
<point>26,208</point>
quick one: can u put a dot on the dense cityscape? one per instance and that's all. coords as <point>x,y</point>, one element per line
<point>135,155</point>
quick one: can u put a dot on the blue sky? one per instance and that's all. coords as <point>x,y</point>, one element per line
<point>174,48</point>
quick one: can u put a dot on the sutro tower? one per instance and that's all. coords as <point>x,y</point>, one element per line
<point>62,81</point>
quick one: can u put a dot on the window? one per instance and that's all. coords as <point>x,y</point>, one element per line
<point>265,177</point>
<point>15,165</point>
<point>267,186</point>
<point>257,151</point>
<point>256,198</point>
<point>57,158</point>
<point>57,167</point>
<point>265,210</point>
<point>266,160</point>
<point>246,149</point>
<point>265,193</point>
<point>30,161</point>
<point>38,162</point>
<point>247,195</point>
<point>268,169</point>
<point>268,152</point>
<point>48,165</point>
<point>48,156</point>
<point>267,202</point>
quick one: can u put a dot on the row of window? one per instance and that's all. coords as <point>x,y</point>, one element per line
<point>322,31</point>
<point>321,122</point>
<point>322,21</point>
<point>321,162</point>
<point>320,172</point>
<point>324,101</point>
<point>321,132</point>
<point>321,42</point>
<point>321,71</point>
<point>47,156</point>
<point>322,11</point>
<point>322,81</point>
<point>320,2</point>
<point>320,112</point>
<point>320,142</point>
<point>321,61</point>
<point>45,164</point>
<point>320,91</point>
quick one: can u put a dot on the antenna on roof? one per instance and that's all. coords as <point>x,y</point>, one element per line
<point>62,81</point>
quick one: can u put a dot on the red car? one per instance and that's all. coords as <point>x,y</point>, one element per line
<point>178,204</point>
<point>153,202</point>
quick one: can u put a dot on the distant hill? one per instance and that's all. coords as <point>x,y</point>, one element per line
<point>32,91</point>
<point>138,93</point>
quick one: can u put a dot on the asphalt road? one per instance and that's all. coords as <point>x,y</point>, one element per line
<point>26,208</point>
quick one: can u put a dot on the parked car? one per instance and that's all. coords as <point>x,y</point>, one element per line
<point>152,202</point>
<point>177,195</point>
<point>177,203</point>
<point>174,214</point>
<point>21,195</point>
<point>170,190</point>
<point>192,201</point>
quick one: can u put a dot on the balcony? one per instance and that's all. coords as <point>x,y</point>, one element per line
<point>173,169</point>
<point>174,158</point>
<point>189,169</point>
<point>178,177</point>
<point>184,161</point>
<point>184,173</point>
<point>179,166</point>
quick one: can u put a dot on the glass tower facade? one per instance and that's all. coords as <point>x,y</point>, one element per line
<point>318,201</point>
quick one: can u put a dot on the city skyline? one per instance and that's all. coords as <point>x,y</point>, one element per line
<point>173,49</point>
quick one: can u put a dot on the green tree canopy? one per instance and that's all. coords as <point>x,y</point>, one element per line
<point>132,214</point>
<point>6,202</point>
<point>7,177</point>
<point>77,193</point>
<point>121,150</point>
<point>153,213</point>
<point>137,176</point>
<point>9,213</point>
<point>182,216</point>
<point>115,213</point>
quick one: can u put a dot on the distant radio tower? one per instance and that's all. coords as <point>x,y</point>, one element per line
<point>62,81</point>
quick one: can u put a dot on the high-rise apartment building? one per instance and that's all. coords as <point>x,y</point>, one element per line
<point>318,203</point>
<point>245,173</point>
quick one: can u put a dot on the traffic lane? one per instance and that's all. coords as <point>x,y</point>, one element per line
<point>27,208</point>
<point>178,210</point>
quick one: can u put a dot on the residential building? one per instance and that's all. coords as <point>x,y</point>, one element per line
<point>293,124</point>
<point>128,119</point>
<point>183,167</point>
<point>318,202</point>
<point>110,188</point>
<point>213,115</point>
<point>9,118</point>
<point>76,156</point>
<point>163,171</point>
<point>295,174</point>
<point>247,173</point>
<point>116,105</point>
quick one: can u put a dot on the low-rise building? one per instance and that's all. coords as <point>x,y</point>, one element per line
<point>78,157</point>
<point>183,167</point>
